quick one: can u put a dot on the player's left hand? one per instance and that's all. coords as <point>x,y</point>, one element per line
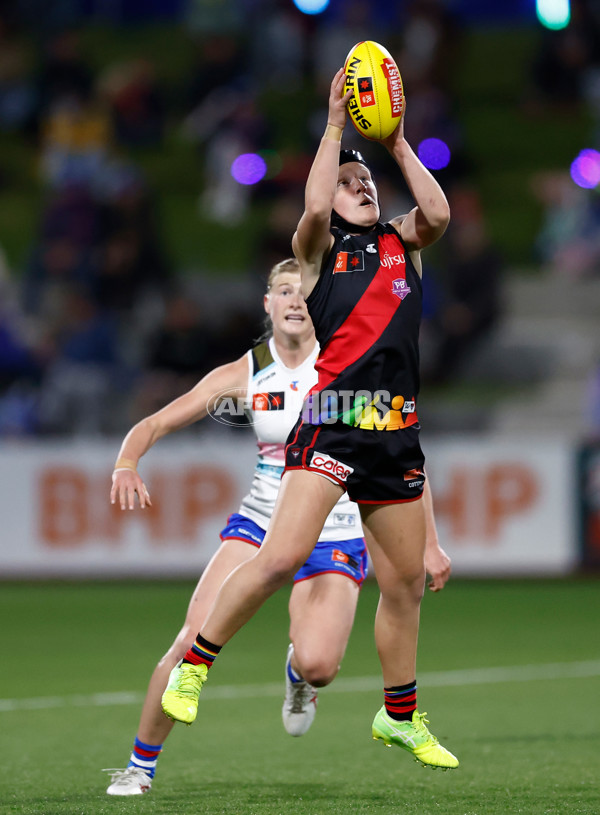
<point>438,566</point>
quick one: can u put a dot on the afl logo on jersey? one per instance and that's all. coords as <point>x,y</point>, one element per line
<point>349,262</point>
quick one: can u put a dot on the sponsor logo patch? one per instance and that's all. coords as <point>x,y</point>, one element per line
<point>268,401</point>
<point>412,475</point>
<point>390,70</point>
<point>365,90</point>
<point>261,379</point>
<point>342,557</point>
<point>330,466</point>
<point>341,519</point>
<point>349,262</point>
<point>400,288</point>
<point>388,261</point>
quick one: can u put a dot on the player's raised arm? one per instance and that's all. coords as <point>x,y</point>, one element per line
<point>313,239</point>
<point>226,380</point>
<point>428,220</point>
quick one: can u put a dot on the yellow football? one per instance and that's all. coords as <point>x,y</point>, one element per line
<point>378,102</point>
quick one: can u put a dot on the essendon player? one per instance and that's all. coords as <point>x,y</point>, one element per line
<point>367,324</point>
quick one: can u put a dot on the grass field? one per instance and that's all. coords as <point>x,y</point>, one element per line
<point>509,673</point>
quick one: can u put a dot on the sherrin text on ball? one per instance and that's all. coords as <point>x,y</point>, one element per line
<point>378,102</point>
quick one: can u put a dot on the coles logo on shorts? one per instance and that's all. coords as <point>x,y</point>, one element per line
<point>329,466</point>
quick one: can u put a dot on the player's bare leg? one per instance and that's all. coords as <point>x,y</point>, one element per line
<point>305,500</point>
<point>154,727</point>
<point>322,611</point>
<point>397,549</point>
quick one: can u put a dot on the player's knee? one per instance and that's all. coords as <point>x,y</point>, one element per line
<point>278,570</point>
<point>277,573</point>
<point>317,669</point>
<point>404,585</point>
<point>320,674</point>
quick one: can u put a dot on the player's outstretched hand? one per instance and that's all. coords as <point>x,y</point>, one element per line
<point>338,100</point>
<point>126,484</point>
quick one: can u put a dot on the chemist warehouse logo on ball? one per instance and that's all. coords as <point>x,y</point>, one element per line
<point>394,82</point>
<point>234,408</point>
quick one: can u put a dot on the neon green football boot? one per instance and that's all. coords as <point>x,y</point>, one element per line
<point>414,737</point>
<point>180,699</point>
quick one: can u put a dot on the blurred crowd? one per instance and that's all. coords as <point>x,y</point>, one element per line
<point>100,327</point>
<point>566,77</point>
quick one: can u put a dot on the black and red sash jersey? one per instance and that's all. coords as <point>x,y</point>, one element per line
<point>366,310</point>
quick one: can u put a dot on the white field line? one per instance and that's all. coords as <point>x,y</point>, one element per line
<point>468,676</point>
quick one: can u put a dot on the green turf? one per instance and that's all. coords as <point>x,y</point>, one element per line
<point>525,746</point>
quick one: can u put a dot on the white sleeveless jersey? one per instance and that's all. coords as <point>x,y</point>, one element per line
<point>274,399</point>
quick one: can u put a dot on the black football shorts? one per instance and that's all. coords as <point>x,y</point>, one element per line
<point>373,466</point>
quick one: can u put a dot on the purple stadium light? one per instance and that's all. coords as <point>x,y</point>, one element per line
<point>249,168</point>
<point>434,153</point>
<point>585,170</point>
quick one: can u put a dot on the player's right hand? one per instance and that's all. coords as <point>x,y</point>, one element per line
<point>338,100</point>
<point>126,484</point>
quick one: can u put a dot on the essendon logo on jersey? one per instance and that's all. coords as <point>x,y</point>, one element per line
<point>268,401</point>
<point>349,262</point>
<point>365,91</point>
